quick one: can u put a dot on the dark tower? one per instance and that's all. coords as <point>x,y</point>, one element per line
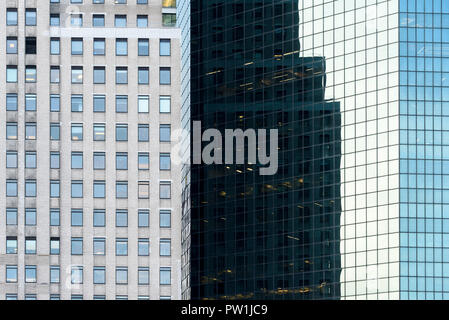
<point>253,236</point>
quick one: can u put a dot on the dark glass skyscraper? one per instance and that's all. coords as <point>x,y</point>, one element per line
<point>249,236</point>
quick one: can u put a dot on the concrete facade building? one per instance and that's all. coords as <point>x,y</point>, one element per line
<point>89,192</point>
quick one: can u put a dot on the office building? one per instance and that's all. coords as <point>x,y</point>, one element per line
<point>90,102</point>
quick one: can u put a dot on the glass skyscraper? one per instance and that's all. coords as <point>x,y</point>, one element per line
<point>358,90</point>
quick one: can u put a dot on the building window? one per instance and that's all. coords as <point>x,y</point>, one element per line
<point>11,45</point>
<point>30,131</point>
<point>99,275</point>
<point>54,19</point>
<point>76,20</point>
<point>30,188</point>
<point>99,46</point>
<point>77,160</point>
<point>121,104</point>
<point>55,131</point>
<point>77,74</point>
<point>77,246</point>
<point>121,247</point>
<point>11,102</point>
<point>165,161</point>
<point>11,245</point>
<point>78,297</point>
<point>165,190</point>
<point>54,160</point>
<point>99,218</point>
<point>30,159</point>
<point>30,74</point>
<point>54,74</point>
<point>121,275</point>
<point>143,276</point>
<point>143,218</point>
<point>54,189</point>
<point>11,17</point>
<point>121,190</point>
<point>30,17</point>
<point>54,246</point>
<point>164,76</point>
<point>165,276</point>
<point>30,102</point>
<point>99,161</point>
<point>77,103</point>
<point>77,278</point>
<point>99,246</point>
<point>11,73</point>
<point>77,132</point>
<point>144,190</point>
<point>121,75</point>
<point>121,218</point>
<point>55,297</point>
<point>99,132</point>
<point>143,75</point>
<point>143,47</point>
<point>99,104</point>
<point>30,245</point>
<point>11,188</point>
<point>168,3</point>
<point>77,189</point>
<point>54,217</point>
<point>169,19</point>
<point>99,189</point>
<point>77,217</point>
<point>54,274</point>
<point>30,217</point>
<point>11,216</point>
<point>11,159</point>
<point>77,46</point>
<point>142,21</point>
<point>121,132</point>
<point>98,20</point>
<point>165,247</point>
<point>144,132</point>
<point>11,296</point>
<point>30,45</point>
<point>55,46</point>
<point>121,161</point>
<point>121,47</point>
<point>99,75</point>
<point>143,161</point>
<point>11,274</point>
<point>55,105</point>
<point>165,47</point>
<point>120,21</point>
<point>144,247</point>
<point>165,133</point>
<point>143,104</point>
<point>164,104</point>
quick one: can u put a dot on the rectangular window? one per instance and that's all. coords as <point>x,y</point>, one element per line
<point>99,75</point>
<point>99,132</point>
<point>30,245</point>
<point>121,75</point>
<point>30,17</point>
<point>165,276</point>
<point>54,217</point>
<point>54,246</point>
<point>11,159</point>
<point>165,76</point>
<point>54,274</point>
<point>99,161</point>
<point>77,278</point>
<point>121,218</point>
<point>144,218</point>
<point>121,132</point>
<point>30,131</point>
<point>144,161</point>
<point>144,247</point>
<point>11,73</point>
<point>165,190</point>
<point>30,188</point>
<point>77,246</point>
<point>54,74</point>
<point>55,131</point>
<point>77,217</point>
<point>30,159</point>
<point>144,132</point>
<point>143,104</point>
<point>55,46</point>
<point>30,45</point>
<point>144,190</point>
<point>55,105</point>
<point>11,45</point>
<point>99,246</point>
<point>121,275</point>
<point>165,133</point>
<point>30,216</point>
<point>77,46</point>
<point>99,104</point>
<point>165,47</point>
<point>164,161</point>
<point>30,102</point>
<point>169,19</point>
<point>77,103</point>
<point>30,74</point>
<point>77,160</point>
<point>143,276</point>
<point>164,104</point>
<point>142,21</point>
<point>144,75</point>
<point>99,46</point>
<point>77,132</point>
<point>54,19</point>
<point>99,218</point>
<point>120,21</point>
<point>143,47</point>
<point>11,102</point>
<point>121,190</point>
<point>99,189</point>
<point>121,104</point>
<point>11,216</point>
<point>11,17</point>
<point>165,247</point>
<point>11,245</point>
<point>77,74</point>
<point>121,47</point>
<point>54,160</point>
<point>121,161</point>
<point>121,247</point>
<point>99,275</point>
<point>77,189</point>
<point>11,274</point>
<point>76,20</point>
<point>11,188</point>
<point>98,20</point>
<point>54,188</point>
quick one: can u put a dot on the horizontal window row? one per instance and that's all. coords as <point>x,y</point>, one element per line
<point>99,246</point>
<point>99,275</point>
<point>99,46</point>
<point>99,189</point>
<point>99,75</point>
<point>14,296</point>
<point>98,217</point>
<point>77,132</point>
<point>98,104</point>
